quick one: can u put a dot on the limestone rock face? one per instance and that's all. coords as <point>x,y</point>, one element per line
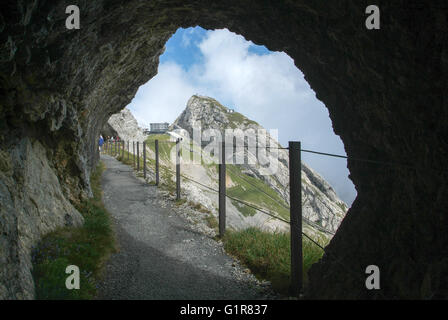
<point>321,205</point>
<point>126,126</point>
<point>385,90</point>
<point>32,204</point>
<point>108,131</point>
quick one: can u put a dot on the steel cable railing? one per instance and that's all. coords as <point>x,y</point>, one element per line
<point>108,148</point>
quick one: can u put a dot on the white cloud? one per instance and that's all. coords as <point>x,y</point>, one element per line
<point>164,97</point>
<point>267,88</point>
<point>187,37</point>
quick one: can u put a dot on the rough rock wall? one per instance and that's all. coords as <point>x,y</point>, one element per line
<point>385,90</point>
<point>32,204</point>
<point>126,126</point>
<point>108,131</point>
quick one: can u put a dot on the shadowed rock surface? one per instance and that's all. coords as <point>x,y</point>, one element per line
<point>386,92</point>
<point>126,126</point>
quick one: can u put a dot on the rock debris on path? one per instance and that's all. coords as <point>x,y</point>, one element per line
<point>162,254</point>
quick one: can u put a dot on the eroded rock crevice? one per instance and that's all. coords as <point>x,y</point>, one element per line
<point>385,91</point>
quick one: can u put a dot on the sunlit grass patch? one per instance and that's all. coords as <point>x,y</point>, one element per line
<point>87,247</point>
<point>268,255</point>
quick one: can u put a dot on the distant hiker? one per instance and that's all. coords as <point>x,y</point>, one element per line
<point>101,142</point>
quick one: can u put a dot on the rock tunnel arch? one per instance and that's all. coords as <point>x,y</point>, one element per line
<point>386,99</point>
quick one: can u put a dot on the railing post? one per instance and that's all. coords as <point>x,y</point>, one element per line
<point>157,161</point>
<point>138,157</point>
<point>122,150</point>
<point>133,153</point>
<point>222,190</point>
<point>128,150</point>
<point>144,159</point>
<point>295,194</point>
<point>115,143</point>
<point>178,169</point>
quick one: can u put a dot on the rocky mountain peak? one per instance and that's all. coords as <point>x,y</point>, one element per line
<point>206,112</point>
<point>321,204</point>
<point>125,125</point>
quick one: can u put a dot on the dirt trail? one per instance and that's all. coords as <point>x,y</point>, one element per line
<point>160,255</point>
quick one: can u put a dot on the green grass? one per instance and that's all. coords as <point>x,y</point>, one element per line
<point>180,202</point>
<point>212,222</point>
<point>198,207</point>
<point>268,255</point>
<point>245,210</point>
<point>247,190</point>
<point>165,145</point>
<point>236,119</point>
<point>87,247</point>
<point>128,158</point>
<point>165,183</point>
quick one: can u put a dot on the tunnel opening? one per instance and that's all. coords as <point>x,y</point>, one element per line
<point>265,86</point>
<point>261,85</point>
<point>373,83</point>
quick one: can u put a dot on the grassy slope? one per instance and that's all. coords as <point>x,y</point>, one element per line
<point>247,192</point>
<point>87,247</point>
<point>165,145</point>
<point>268,256</point>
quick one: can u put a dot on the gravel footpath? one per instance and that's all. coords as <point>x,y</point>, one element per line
<point>165,250</point>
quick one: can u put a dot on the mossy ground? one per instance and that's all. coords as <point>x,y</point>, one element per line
<point>87,247</point>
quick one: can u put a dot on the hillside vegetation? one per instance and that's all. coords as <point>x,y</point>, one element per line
<point>86,247</point>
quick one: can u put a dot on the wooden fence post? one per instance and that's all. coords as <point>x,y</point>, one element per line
<point>295,194</point>
<point>128,150</point>
<point>178,169</point>
<point>222,190</point>
<point>138,157</point>
<point>144,159</point>
<point>157,161</point>
<point>133,153</point>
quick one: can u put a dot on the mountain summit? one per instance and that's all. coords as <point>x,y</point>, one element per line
<point>322,208</point>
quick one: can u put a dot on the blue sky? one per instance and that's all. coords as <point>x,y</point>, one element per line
<point>263,85</point>
<point>182,48</point>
